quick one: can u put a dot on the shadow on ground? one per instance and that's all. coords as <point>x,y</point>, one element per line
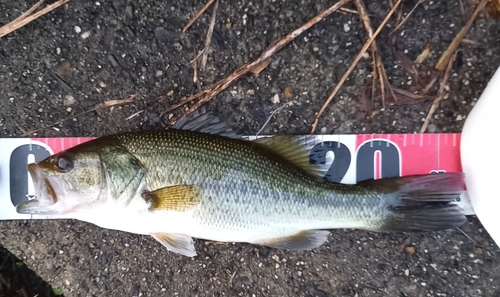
<point>17,280</point>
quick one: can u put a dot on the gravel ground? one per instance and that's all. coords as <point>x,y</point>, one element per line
<point>87,52</point>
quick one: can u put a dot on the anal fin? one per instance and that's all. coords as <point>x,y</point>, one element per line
<point>177,243</point>
<point>304,240</point>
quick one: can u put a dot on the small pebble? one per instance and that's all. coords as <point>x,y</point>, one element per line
<point>431,128</point>
<point>323,130</point>
<point>288,93</point>
<point>68,100</point>
<point>275,99</point>
<point>78,29</point>
<point>86,35</point>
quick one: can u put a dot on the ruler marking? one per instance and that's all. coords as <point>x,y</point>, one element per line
<point>421,140</point>
<point>437,151</point>
<point>454,140</point>
<point>404,140</point>
<point>413,139</point>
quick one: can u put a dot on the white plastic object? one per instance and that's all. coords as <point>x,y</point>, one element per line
<point>480,157</point>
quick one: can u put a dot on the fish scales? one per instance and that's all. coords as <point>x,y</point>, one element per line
<point>244,190</point>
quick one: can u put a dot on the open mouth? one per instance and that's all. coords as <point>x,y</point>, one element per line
<point>46,192</point>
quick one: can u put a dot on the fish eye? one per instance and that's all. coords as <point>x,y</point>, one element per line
<point>65,164</point>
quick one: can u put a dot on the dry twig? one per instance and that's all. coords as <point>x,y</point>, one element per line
<point>440,94</point>
<point>117,102</point>
<point>98,107</point>
<point>197,16</point>
<point>273,113</point>
<point>398,26</point>
<point>452,48</point>
<point>354,63</point>
<point>208,40</point>
<point>215,89</point>
<point>27,17</point>
<point>378,67</point>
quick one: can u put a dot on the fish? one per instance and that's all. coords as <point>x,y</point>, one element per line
<point>200,179</point>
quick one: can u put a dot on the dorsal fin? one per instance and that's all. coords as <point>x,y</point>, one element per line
<point>202,121</point>
<point>293,151</point>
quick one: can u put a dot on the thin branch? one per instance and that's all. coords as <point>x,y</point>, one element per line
<point>271,50</point>
<point>445,57</point>
<point>104,105</point>
<point>440,94</point>
<point>378,67</point>
<point>191,22</point>
<point>353,65</point>
<point>28,12</point>
<point>273,113</point>
<point>208,40</point>
<point>407,16</point>
<point>18,23</point>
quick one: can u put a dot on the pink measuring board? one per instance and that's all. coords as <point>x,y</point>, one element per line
<point>345,158</point>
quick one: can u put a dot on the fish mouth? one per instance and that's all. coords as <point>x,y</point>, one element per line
<point>47,191</point>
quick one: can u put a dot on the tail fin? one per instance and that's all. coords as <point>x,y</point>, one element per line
<point>422,203</point>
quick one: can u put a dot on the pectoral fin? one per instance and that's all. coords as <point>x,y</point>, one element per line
<point>177,243</point>
<point>176,198</point>
<point>304,240</point>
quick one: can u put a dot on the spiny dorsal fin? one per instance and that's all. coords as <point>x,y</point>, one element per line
<point>201,121</point>
<point>304,240</point>
<point>177,243</point>
<point>176,198</point>
<point>293,151</point>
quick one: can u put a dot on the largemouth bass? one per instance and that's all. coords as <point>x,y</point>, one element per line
<point>199,179</point>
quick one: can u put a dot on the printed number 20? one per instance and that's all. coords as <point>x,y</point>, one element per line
<point>365,159</point>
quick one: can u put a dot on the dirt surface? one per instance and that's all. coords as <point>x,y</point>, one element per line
<point>87,52</point>
<point>17,280</point>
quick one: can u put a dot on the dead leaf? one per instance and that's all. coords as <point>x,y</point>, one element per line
<point>288,92</point>
<point>490,11</point>
<point>425,53</point>
<point>479,251</point>
<point>261,66</point>
<point>64,68</point>
<point>410,250</point>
